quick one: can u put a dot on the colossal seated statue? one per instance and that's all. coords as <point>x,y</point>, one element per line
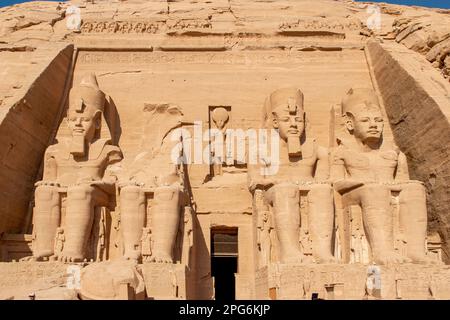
<point>153,180</point>
<point>366,171</point>
<point>303,167</point>
<point>80,168</point>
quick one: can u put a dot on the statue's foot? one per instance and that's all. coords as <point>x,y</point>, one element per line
<point>391,258</point>
<point>326,258</point>
<point>41,256</point>
<point>30,258</point>
<point>308,260</point>
<point>67,257</point>
<point>423,259</point>
<point>160,258</point>
<point>131,255</point>
<point>294,259</point>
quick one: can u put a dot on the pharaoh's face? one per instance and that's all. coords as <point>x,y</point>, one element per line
<point>83,124</point>
<point>367,124</point>
<point>288,124</point>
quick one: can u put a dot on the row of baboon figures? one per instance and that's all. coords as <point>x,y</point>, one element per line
<point>361,170</point>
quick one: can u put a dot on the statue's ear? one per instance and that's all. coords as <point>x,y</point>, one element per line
<point>274,121</point>
<point>348,120</point>
<point>98,120</point>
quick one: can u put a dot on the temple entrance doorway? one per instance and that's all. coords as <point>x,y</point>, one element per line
<point>224,262</point>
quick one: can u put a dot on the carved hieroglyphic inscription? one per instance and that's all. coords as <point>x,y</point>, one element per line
<point>157,57</point>
<point>348,281</point>
<point>26,273</point>
<point>321,24</point>
<point>142,27</point>
<point>164,281</point>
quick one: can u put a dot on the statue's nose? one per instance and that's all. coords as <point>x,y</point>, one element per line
<point>293,123</point>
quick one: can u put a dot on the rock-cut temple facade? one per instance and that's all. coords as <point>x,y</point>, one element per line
<point>224,150</point>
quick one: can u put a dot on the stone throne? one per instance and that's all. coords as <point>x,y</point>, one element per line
<point>351,241</point>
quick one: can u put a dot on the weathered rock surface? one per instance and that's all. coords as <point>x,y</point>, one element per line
<point>199,55</point>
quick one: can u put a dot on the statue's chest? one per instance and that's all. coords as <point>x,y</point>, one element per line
<point>381,160</point>
<point>297,167</point>
<point>84,166</point>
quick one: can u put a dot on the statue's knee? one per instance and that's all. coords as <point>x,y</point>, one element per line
<point>285,187</point>
<point>130,193</point>
<point>44,193</point>
<point>415,187</point>
<point>413,190</point>
<point>322,191</point>
<point>167,194</point>
<point>376,191</point>
<point>283,192</point>
<point>286,199</point>
<point>375,196</point>
<point>80,192</point>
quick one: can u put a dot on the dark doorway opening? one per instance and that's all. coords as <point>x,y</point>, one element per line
<point>224,262</point>
<point>223,270</point>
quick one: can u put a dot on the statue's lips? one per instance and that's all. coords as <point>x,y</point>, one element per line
<point>373,132</point>
<point>78,131</point>
<point>293,131</point>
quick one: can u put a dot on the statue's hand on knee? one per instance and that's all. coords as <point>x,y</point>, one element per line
<point>262,183</point>
<point>130,183</point>
<point>343,186</point>
<point>47,183</point>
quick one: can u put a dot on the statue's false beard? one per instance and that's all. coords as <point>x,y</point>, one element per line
<point>77,147</point>
<point>294,146</point>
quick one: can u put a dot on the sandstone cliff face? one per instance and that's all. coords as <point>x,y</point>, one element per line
<point>427,35</point>
<point>36,63</point>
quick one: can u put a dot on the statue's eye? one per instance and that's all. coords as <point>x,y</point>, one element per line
<point>379,119</point>
<point>284,119</point>
<point>364,120</point>
<point>298,119</point>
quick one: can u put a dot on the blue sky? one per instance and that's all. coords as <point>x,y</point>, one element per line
<point>4,3</point>
<point>425,3</point>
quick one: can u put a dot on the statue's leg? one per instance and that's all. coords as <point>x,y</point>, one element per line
<point>79,219</point>
<point>413,219</point>
<point>378,222</point>
<point>165,215</point>
<point>132,217</point>
<point>47,217</point>
<point>285,200</point>
<point>321,221</point>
